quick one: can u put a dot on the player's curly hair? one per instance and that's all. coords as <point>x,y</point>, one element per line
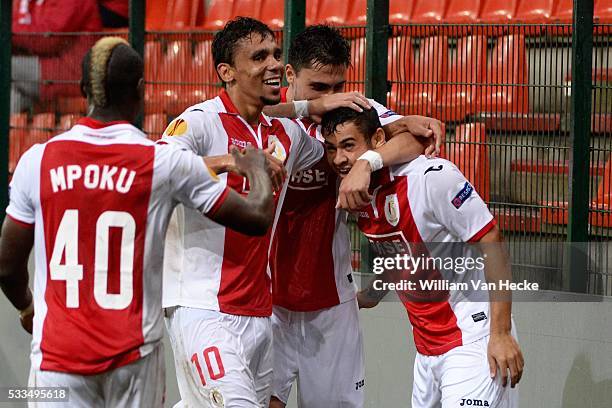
<point>318,46</point>
<point>225,41</point>
<point>111,71</point>
<point>367,121</point>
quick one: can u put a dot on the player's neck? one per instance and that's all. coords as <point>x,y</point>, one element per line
<point>289,94</point>
<point>248,110</point>
<point>111,114</point>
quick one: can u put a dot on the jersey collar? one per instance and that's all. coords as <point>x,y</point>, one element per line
<point>96,124</point>
<point>231,108</point>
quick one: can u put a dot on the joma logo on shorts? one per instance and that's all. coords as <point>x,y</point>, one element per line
<point>474,402</point>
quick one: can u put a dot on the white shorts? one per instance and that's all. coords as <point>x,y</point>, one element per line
<point>221,360</point>
<point>324,351</point>
<point>460,378</point>
<point>139,384</point>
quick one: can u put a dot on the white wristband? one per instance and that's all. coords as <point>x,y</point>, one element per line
<point>374,158</point>
<point>301,108</point>
<point>27,310</point>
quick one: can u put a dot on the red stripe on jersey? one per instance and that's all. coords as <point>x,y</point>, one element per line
<point>218,203</point>
<point>245,285</point>
<point>301,259</point>
<point>20,223</point>
<point>391,229</point>
<point>484,231</point>
<point>96,124</point>
<point>102,332</point>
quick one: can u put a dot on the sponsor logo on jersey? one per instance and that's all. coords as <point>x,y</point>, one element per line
<point>176,128</point>
<point>433,168</point>
<point>462,195</point>
<point>310,179</point>
<point>473,402</point>
<point>279,150</point>
<point>477,317</point>
<point>241,144</point>
<point>389,244</point>
<point>387,114</point>
<point>392,210</point>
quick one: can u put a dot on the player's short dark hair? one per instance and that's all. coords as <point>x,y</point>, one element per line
<point>111,71</point>
<point>317,46</point>
<point>225,41</point>
<point>367,121</point>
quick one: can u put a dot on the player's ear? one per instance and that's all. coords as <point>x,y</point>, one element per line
<point>378,139</point>
<point>290,73</point>
<point>226,72</point>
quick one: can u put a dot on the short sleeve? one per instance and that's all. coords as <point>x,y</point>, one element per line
<point>193,184</point>
<point>188,132</point>
<point>455,202</point>
<point>21,204</point>
<point>385,115</point>
<point>309,151</point>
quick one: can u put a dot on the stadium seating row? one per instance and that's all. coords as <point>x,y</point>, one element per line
<point>184,14</point>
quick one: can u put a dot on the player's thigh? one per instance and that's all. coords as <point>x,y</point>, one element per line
<point>261,357</point>
<point>140,384</point>
<point>331,369</point>
<point>466,380</point>
<point>285,349</point>
<point>425,386</point>
<point>212,361</point>
<point>83,391</point>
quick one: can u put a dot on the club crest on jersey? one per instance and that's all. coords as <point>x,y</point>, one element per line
<point>217,398</point>
<point>279,150</point>
<point>392,210</point>
<point>462,195</point>
<point>176,128</point>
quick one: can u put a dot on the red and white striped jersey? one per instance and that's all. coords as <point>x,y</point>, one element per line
<point>311,249</point>
<point>99,198</point>
<point>209,266</point>
<point>430,201</point>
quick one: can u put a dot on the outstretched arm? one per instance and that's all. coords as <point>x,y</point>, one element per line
<point>503,351</point>
<point>253,214</point>
<point>315,108</point>
<point>15,245</point>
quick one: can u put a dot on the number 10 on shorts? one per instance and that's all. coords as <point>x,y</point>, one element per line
<point>214,365</point>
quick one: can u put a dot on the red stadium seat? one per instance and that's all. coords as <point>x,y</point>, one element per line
<point>357,14</point>
<point>156,12</point>
<point>167,89</point>
<point>603,11</point>
<point>154,125</point>
<point>17,135</point>
<point>333,12</point>
<point>312,8</point>
<point>153,55</point>
<point>430,68</point>
<point>506,70</point>
<point>356,73</point>
<point>181,14</point>
<point>468,69</point>
<point>273,13</point>
<point>469,153</point>
<point>68,121</point>
<point>217,14</point>
<point>563,13</point>
<point>400,67</point>
<point>556,212</point>
<point>400,11</point>
<point>201,75</point>
<point>72,104</point>
<point>247,8</point>
<point>534,12</point>
<point>427,13</point>
<point>497,12</point>
<point>41,130</point>
<point>461,12</point>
